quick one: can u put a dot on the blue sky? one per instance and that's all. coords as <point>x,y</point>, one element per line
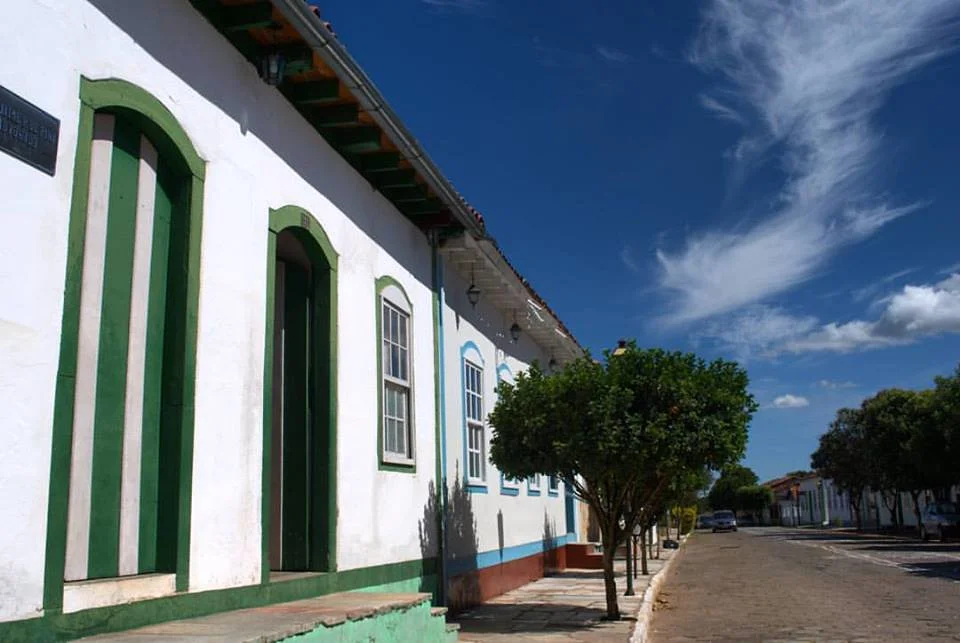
<point>766,181</point>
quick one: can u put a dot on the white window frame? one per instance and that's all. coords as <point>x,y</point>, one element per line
<point>392,300</point>
<point>474,422</point>
<point>533,482</point>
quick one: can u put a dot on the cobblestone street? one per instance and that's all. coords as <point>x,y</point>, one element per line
<point>779,584</point>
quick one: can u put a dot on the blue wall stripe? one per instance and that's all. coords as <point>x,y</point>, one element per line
<point>463,564</point>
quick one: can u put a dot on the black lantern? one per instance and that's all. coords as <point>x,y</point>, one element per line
<point>515,331</point>
<point>272,66</point>
<point>552,364</point>
<point>473,295</point>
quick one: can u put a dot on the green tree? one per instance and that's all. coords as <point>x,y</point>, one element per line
<point>723,494</point>
<point>942,439</point>
<point>842,457</point>
<point>754,499</point>
<point>618,431</point>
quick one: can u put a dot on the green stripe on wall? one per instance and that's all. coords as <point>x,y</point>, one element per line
<point>112,366</point>
<point>153,370</point>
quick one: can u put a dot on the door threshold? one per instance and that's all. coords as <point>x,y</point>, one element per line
<point>279,576</point>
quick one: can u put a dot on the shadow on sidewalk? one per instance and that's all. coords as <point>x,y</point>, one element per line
<point>530,618</point>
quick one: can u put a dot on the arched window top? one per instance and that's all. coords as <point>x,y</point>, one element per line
<point>504,373</point>
<point>148,113</point>
<point>292,216</point>
<point>471,352</point>
<point>391,290</point>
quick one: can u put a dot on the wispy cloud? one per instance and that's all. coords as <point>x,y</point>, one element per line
<point>810,77</point>
<point>721,111</point>
<point>789,401</point>
<point>756,331</point>
<point>949,270</point>
<point>870,290</point>
<point>833,386</point>
<point>612,55</point>
<point>626,256</point>
<point>912,313</point>
<point>907,315</point>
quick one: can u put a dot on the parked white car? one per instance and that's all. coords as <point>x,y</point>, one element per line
<point>940,520</point>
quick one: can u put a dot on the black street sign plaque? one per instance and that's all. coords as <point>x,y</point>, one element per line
<point>28,133</point>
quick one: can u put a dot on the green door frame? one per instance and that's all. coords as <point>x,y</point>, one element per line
<point>172,142</point>
<point>323,530</point>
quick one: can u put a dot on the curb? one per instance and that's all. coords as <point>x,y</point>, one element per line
<point>645,613</point>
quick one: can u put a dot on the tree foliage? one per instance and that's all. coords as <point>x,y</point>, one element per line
<point>896,441</point>
<point>753,499</point>
<point>618,432</point>
<point>723,494</point>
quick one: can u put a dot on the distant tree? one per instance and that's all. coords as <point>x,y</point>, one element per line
<point>618,432</point>
<point>723,494</point>
<point>841,458</point>
<point>754,499</point>
<point>799,473</point>
<point>943,436</point>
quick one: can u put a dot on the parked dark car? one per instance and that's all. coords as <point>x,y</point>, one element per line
<point>940,520</point>
<point>704,521</point>
<point>724,521</point>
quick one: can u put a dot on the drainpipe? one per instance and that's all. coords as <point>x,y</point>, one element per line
<point>311,28</point>
<point>440,390</point>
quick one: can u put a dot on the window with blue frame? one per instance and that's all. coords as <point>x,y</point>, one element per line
<point>553,485</point>
<point>533,485</point>
<point>476,438</point>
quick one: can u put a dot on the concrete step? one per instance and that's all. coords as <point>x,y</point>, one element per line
<point>334,617</point>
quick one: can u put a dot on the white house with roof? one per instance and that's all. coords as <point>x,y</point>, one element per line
<point>250,331</point>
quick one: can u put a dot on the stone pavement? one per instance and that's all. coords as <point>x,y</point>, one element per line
<point>566,606</point>
<point>772,584</point>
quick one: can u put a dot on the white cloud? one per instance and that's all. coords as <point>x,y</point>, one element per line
<point>757,331</point>
<point>833,386</point>
<point>789,401</point>
<point>612,55</point>
<point>912,313</point>
<point>810,75</point>
<point>872,289</point>
<point>721,111</point>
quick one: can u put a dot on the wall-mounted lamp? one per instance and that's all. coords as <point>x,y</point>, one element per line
<point>272,66</point>
<point>473,295</point>
<point>515,331</point>
<point>552,364</point>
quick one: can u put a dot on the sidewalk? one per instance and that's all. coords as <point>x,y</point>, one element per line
<point>566,606</point>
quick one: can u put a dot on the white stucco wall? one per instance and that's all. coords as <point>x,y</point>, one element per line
<point>523,515</point>
<point>260,154</point>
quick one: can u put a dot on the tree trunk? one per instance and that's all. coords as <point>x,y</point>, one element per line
<point>679,521</point>
<point>643,552</point>
<point>857,516</point>
<point>609,582</point>
<point>890,506</point>
<point>900,509</point>
<point>915,495</point>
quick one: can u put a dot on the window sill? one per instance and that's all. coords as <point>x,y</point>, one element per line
<point>509,491</point>
<point>398,465</point>
<point>533,492</point>
<point>553,493</point>
<point>475,487</point>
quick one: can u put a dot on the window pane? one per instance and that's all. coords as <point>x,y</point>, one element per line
<point>385,322</point>
<point>388,434</point>
<point>402,338</point>
<point>403,364</point>
<point>401,437</point>
<point>394,361</point>
<point>401,404</point>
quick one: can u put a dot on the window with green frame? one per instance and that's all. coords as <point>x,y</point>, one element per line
<point>394,317</point>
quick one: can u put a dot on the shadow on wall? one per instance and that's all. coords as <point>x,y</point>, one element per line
<point>462,543</point>
<point>552,556</point>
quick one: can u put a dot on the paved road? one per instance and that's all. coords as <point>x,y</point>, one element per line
<point>780,584</point>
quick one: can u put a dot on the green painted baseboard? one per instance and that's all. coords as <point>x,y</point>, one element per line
<point>408,576</point>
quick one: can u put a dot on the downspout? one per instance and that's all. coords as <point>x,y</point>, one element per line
<point>440,390</point>
<point>321,40</point>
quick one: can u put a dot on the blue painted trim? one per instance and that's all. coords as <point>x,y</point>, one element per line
<point>530,490</point>
<point>508,491</point>
<point>471,487</point>
<point>493,557</point>
<point>442,414</point>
